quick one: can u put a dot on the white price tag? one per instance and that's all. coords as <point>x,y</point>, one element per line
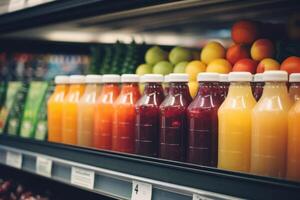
<point>43,166</point>
<point>35,2</point>
<point>14,159</point>
<point>16,5</point>
<point>141,191</point>
<point>83,177</point>
<point>200,197</point>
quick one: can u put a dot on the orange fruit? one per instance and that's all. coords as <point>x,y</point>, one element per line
<point>291,64</point>
<point>245,65</point>
<point>193,68</point>
<point>267,64</point>
<point>244,32</point>
<point>219,65</point>
<point>262,48</point>
<point>236,52</point>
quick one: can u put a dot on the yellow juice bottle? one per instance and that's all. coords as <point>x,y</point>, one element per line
<point>69,117</point>
<point>270,127</point>
<point>55,106</point>
<point>294,90</point>
<point>235,124</point>
<point>293,154</point>
<point>86,110</point>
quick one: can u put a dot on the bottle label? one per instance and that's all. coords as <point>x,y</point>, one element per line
<point>41,130</point>
<point>13,127</point>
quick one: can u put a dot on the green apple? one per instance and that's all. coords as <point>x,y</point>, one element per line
<point>180,54</point>
<point>155,55</point>
<point>163,67</point>
<point>180,67</point>
<point>144,69</point>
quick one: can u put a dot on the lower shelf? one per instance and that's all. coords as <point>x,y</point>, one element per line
<point>113,174</point>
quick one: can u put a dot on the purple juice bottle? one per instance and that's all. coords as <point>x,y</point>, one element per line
<point>147,116</point>
<point>202,116</point>
<point>258,86</point>
<point>173,119</point>
<point>223,86</point>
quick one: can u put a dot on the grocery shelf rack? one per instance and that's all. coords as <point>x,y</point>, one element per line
<point>115,172</point>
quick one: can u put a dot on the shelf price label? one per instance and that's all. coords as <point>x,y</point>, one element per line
<point>16,5</point>
<point>200,197</point>
<point>83,177</point>
<point>14,159</point>
<point>141,191</point>
<point>43,166</point>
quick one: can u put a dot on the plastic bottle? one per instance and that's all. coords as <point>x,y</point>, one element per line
<point>104,111</point>
<point>124,114</point>
<point>223,86</point>
<point>258,86</point>
<point>55,107</point>
<point>203,122</point>
<point>147,116</point>
<point>270,127</point>
<point>173,120</point>
<point>86,110</point>
<point>294,90</point>
<point>235,124</point>
<point>166,85</point>
<point>69,119</point>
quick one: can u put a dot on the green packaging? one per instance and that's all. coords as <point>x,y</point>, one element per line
<point>12,90</point>
<point>34,99</point>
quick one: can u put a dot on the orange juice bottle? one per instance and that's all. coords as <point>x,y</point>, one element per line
<point>235,124</point>
<point>270,127</point>
<point>55,106</point>
<point>294,91</point>
<point>86,110</point>
<point>104,111</point>
<point>69,119</point>
<point>293,154</point>
<point>124,114</point>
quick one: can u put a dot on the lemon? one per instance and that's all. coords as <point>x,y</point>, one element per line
<point>212,51</point>
<point>193,87</point>
<point>193,68</point>
<point>219,65</point>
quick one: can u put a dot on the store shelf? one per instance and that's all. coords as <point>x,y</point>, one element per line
<point>114,173</point>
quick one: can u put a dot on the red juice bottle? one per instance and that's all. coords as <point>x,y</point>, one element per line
<point>202,117</point>
<point>166,85</point>
<point>258,86</point>
<point>223,86</point>
<point>124,114</point>
<point>294,89</point>
<point>173,120</point>
<point>147,116</point>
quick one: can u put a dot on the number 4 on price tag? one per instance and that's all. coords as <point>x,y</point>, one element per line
<point>141,191</point>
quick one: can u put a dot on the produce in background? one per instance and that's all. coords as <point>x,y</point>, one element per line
<point>219,65</point>
<point>180,67</point>
<point>193,68</point>
<point>3,87</point>
<point>244,32</point>
<point>245,65</point>
<point>97,56</point>
<point>291,64</point>
<point>144,69</point>
<point>262,48</point>
<point>179,54</point>
<point>163,68</point>
<point>106,62</point>
<point>211,51</point>
<point>237,52</point>
<point>267,64</point>
<point>193,87</point>
<point>118,57</point>
<point>154,55</point>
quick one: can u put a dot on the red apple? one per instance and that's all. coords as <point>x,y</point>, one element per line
<point>245,65</point>
<point>236,52</point>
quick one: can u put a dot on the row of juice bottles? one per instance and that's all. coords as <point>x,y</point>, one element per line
<point>220,127</point>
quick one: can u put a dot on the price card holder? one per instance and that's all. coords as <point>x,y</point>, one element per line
<point>83,177</point>
<point>43,166</point>
<point>16,5</point>
<point>141,191</point>
<point>14,159</point>
<point>200,197</point>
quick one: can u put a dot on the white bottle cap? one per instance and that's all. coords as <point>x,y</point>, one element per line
<point>152,78</point>
<point>295,77</point>
<point>240,77</point>
<point>93,78</point>
<point>223,78</point>
<point>166,79</point>
<point>177,77</point>
<point>275,75</point>
<point>61,79</point>
<point>258,78</point>
<point>111,78</point>
<point>130,78</point>
<point>208,77</point>
<point>77,79</point>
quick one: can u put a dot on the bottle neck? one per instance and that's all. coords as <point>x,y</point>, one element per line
<point>179,88</point>
<point>239,89</point>
<point>77,87</point>
<point>61,88</point>
<point>129,87</point>
<point>207,88</point>
<point>295,85</point>
<point>91,87</point>
<point>107,87</point>
<point>153,87</point>
<point>275,88</point>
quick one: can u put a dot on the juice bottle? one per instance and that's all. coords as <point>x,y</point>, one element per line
<point>69,118</point>
<point>258,86</point>
<point>294,91</point>
<point>235,124</point>
<point>104,111</point>
<point>293,150</point>
<point>270,127</point>
<point>173,120</point>
<point>203,122</point>
<point>86,110</point>
<point>223,86</point>
<point>124,114</point>
<point>55,107</point>
<point>147,116</point>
